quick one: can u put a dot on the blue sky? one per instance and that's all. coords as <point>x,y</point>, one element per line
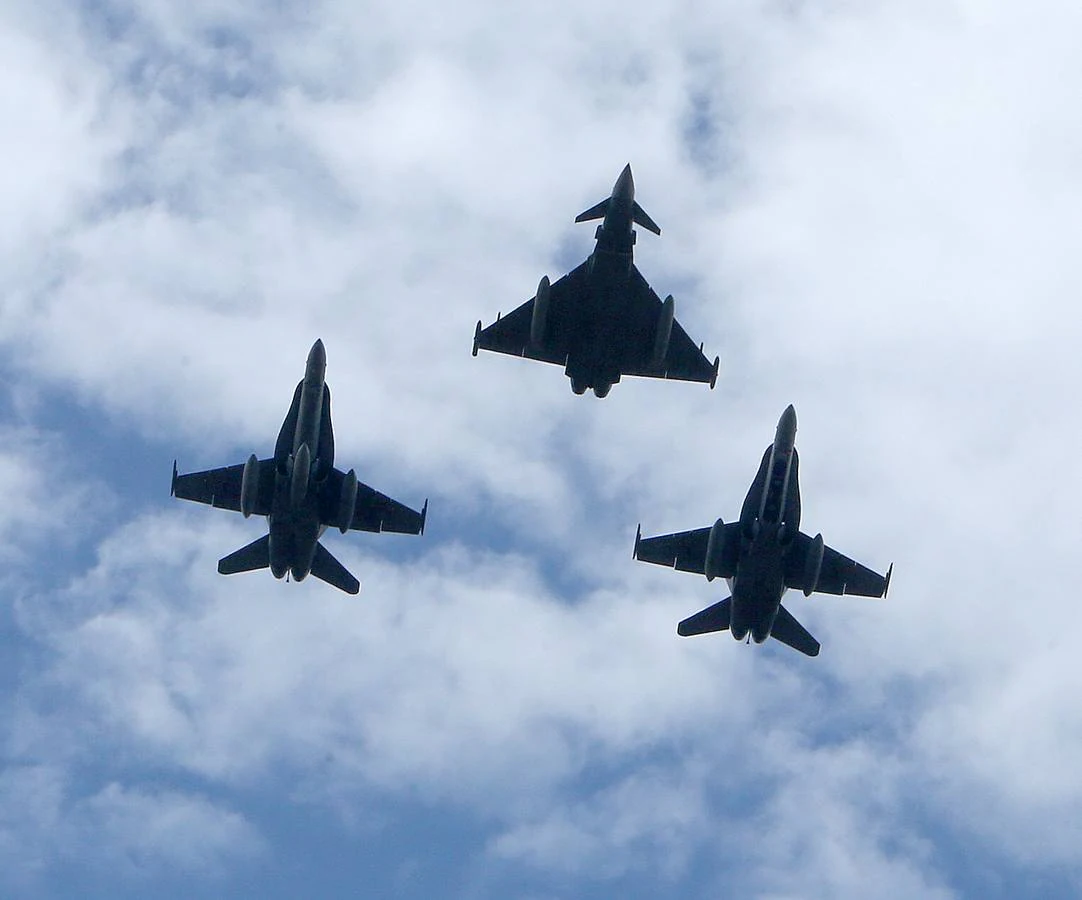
<point>868,212</point>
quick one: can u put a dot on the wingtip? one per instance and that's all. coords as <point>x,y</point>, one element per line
<point>714,377</point>
<point>638,538</point>
<point>173,483</point>
<point>424,516</point>
<point>886,587</point>
<point>477,337</point>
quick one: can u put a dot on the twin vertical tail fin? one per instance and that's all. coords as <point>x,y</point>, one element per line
<point>326,568</point>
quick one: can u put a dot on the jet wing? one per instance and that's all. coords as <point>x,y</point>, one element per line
<point>838,574</point>
<point>684,360</point>
<point>221,487</point>
<point>686,550</point>
<point>372,510</point>
<point>511,333</point>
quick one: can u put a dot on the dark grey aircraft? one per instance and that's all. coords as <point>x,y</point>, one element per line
<point>300,492</point>
<point>763,555</point>
<point>602,320</point>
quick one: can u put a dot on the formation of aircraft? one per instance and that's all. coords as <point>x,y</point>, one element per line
<point>600,321</point>
<point>762,555</point>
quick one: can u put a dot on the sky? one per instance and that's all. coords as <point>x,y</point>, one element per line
<point>868,210</point>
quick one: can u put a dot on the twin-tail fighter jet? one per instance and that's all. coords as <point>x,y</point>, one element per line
<point>300,492</point>
<point>602,320</point>
<point>763,555</point>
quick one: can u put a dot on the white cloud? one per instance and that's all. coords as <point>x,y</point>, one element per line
<point>125,832</point>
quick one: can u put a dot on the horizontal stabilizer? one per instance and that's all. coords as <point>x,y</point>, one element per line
<point>641,217</point>
<point>255,555</point>
<point>789,631</point>
<point>713,618</point>
<point>595,212</point>
<point>326,568</point>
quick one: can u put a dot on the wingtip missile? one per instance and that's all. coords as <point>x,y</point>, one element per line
<point>714,377</point>
<point>477,337</point>
<point>638,538</point>
<point>424,516</point>
<point>886,587</point>
<point>173,483</point>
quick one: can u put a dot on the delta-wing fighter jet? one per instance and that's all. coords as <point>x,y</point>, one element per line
<point>300,492</point>
<point>602,320</point>
<point>762,556</point>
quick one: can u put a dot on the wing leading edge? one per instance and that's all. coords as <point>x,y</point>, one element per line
<point>372,511</point>
<point>642,313</point>
<point>683,361</point>
<point>221,487</point>
<point>510,334</point>
<point>686,550</point>
<point>838,574</point>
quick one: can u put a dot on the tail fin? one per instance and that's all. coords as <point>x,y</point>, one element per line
<point>255,555</point>
<point>713,618</point>
<point>326,568</point>
<point>789,631</point>
<point>638,215</point>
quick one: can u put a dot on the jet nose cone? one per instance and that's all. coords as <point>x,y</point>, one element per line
<point>785,437</point>
<point>317,360</point>
<point>624,189</point>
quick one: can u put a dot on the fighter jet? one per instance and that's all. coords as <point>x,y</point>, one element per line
<point>762,556</point>
<point>602,320</point>
<point>300,492</point>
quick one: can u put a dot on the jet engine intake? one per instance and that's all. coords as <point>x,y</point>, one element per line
<point>664,332</point>
<point>298,487</point>
<point>715,550</point>
<point>347,501</point>
<point>249,486</point>
<point>540,312</point>
<point>813,565</point>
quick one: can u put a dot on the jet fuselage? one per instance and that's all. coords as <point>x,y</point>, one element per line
<point>769,519</point>
<point>303,455</point>
<point>594,358</point>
